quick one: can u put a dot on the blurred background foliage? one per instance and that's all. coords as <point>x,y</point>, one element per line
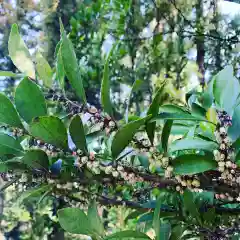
<point>182,42</point>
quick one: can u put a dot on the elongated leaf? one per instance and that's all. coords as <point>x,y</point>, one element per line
<point>190,206</point>
<point>51,130</point>
<point>156,217</point>
<point>8,145</point>
<point>165,231</point>
<point>19,53</point>
<point>135,87</point>
<point>36,159</point>
<point>95,220</point>
<point>127,234</point>
<point>44,70</point>
<point>8,113</point>
<point>77,133</point>
<point>29,100</point>
<point>74,220</point>
<point>233,130</point>
<point>153,110</point>
<point>178,116</point>
<point>105,86</point>
<point>165,134</point>
<point>60,69</point>
<point>124,136</point>
<point>192,164</point>
<point>37,191</point>
<point>169,108</point>
<point>8,74</point>
<point>70,65</point>
<point>198,111</point>
<point>225,85</point>
<point>200,144</point>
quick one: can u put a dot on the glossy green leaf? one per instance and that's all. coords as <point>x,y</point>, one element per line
<point>198,111</point>
<point>51,130</point>
<point>190,206</point>
<point>153,110</point>
<point>70,65</point>
<point>29,100</point>
<point>9,145</point>
<point>8,74</point>
<point>192,164</point>
<point>165,231</point>
<point>74,220</point>
<point>60,69</point>
<point>169,108</point>
<point>8,113</point>
<point>44,70</point>
<point>77,133</point>
<point>126,235</point>
<point>165,134</point>
<point>135,87</point>
<point>36,159</point>
<point>226,89</point>
<point>33,192</point>
<point>105,86</point>
<point>124,136</point>
<point>200,144</point>
<point>95,220</point>
<point>233,131</point>
<point>156,217</point>
<point>19,53</point>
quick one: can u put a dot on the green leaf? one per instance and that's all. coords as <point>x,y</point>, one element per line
<point>169,108</point>
<point>177,232</point>
<point>225,85</point>
<point>33,192</point>
<point>198,111</point>
<point>44,70</point>
<point>70,65</point>
<point>192,164</point>
<point>156,217</point>
<point>165,231</point>
<point>29,100</point>
<point>124,136</point>
<point>9,145</point>
<point>51,130</point>
<point>135,87</point>
<point>165,134</point>
<point>8,113</point>
<point>74,220</point>
<point>178,116</point>
<point>185,144</point>
<point>36,159</point>
<point>95,220</point>
<point>105,86</point>
<point>19,53</point>
<point>77,133</point>
<point>190,206</point>
<point>60,69</point>
<point>127,234</point>
<point>153,110</point>
<point>8,74</point>
<point>233,131</point>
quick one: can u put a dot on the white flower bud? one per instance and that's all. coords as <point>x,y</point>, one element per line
<point>189,183</point>
<point>222,146</point>
<point>222,156</point>
<point>84,159</point>
<point>170,168</point>
<point>222,130</point>
<point>178,178</point>
<point>115,174</point>
<point>184,183</point>
<point>221,169</point>
<point>196,183</point>
<point>111,124</point>
<point>221,164</point>
<point>108,169</point>
<point>120,168</point>
<point>228,164</point>
<point>178,188</point>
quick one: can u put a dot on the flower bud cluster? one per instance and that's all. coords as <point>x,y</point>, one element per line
<point>225,154</point>
<point>190,182</point>
<point>224,196</point>
<point>49,149</point>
